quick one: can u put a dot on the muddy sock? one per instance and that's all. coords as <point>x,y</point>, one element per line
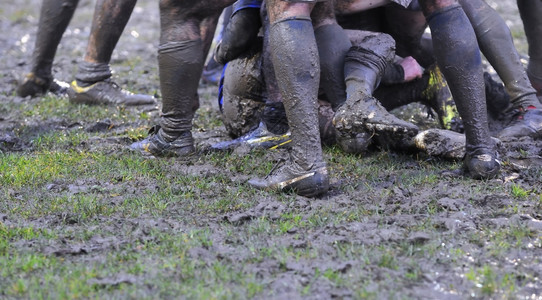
<point>393,74</point>
<point>332,47</point>
<point>531,12</point>
<point>497,46</point>
<point>328,133</point>
<point>54,19</point>
<point>498,100</point>
<point>459,60</point>
<point>108,23</point>
<point>239,34</point>
<point>90,73</point>
<point>295,59</point>
<point>399,94</point>
<point>274,117</point>
<point>365,65</point>
<point>180,65</point>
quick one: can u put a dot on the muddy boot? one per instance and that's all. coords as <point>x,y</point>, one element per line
<point>93,84</point>
<point>54,19</point>
<point>293,44</point>
<point>526,122</point>
<point>442,143</point>
<point>106,92</point>
<point>498,100</point>
<point>156,145</point>
<point>257,138</point>
<point>34,85</point>
<point>460,61</point>
<point>362,112</point>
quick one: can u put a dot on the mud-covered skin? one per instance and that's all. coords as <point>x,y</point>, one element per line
<point>530,12</point>
<point>458,57</point>
<point>108,23</point>
<point>55,15</point>
<point>496,44</point>
<point>243,93</point>
<point>245,101</point>
<point>184,37</point>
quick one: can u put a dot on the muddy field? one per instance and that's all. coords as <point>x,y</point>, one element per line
<point>81,216</point>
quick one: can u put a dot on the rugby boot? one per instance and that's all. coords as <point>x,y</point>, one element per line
<point>354,143</point>
<point>292,177</point>
<point>106,92</point>
<point>257,138</point>
<point>156,145</point>
<point>442,143</point>
<point>34,86</point>
<point>361,111</point>
<point>498,100</point>
<point>526,122</point>
<point>482,163</point>
<point>54,19</point>
<point>292,43</point>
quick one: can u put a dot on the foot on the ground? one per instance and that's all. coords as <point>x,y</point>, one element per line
<point>33,85</point>
<point>367,114</point>
<point>355,143</point>
<point>291,177</point>
<point>482,163</point>
<point>156,145</point>
<point>257,138</point>
<point>526,122</point>
<point>106,92</point>
<point>442,143</point>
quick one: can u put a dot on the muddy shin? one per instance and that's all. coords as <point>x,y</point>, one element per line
<point>459,59</point>
<point>295,58</point>
<point>54,18</point>
<point>180,63</point>
<point>496,44</point>
<point>110,19</point>
<point>531,14</point>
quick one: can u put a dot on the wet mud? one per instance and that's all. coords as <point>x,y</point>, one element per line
<point>405,242</point>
